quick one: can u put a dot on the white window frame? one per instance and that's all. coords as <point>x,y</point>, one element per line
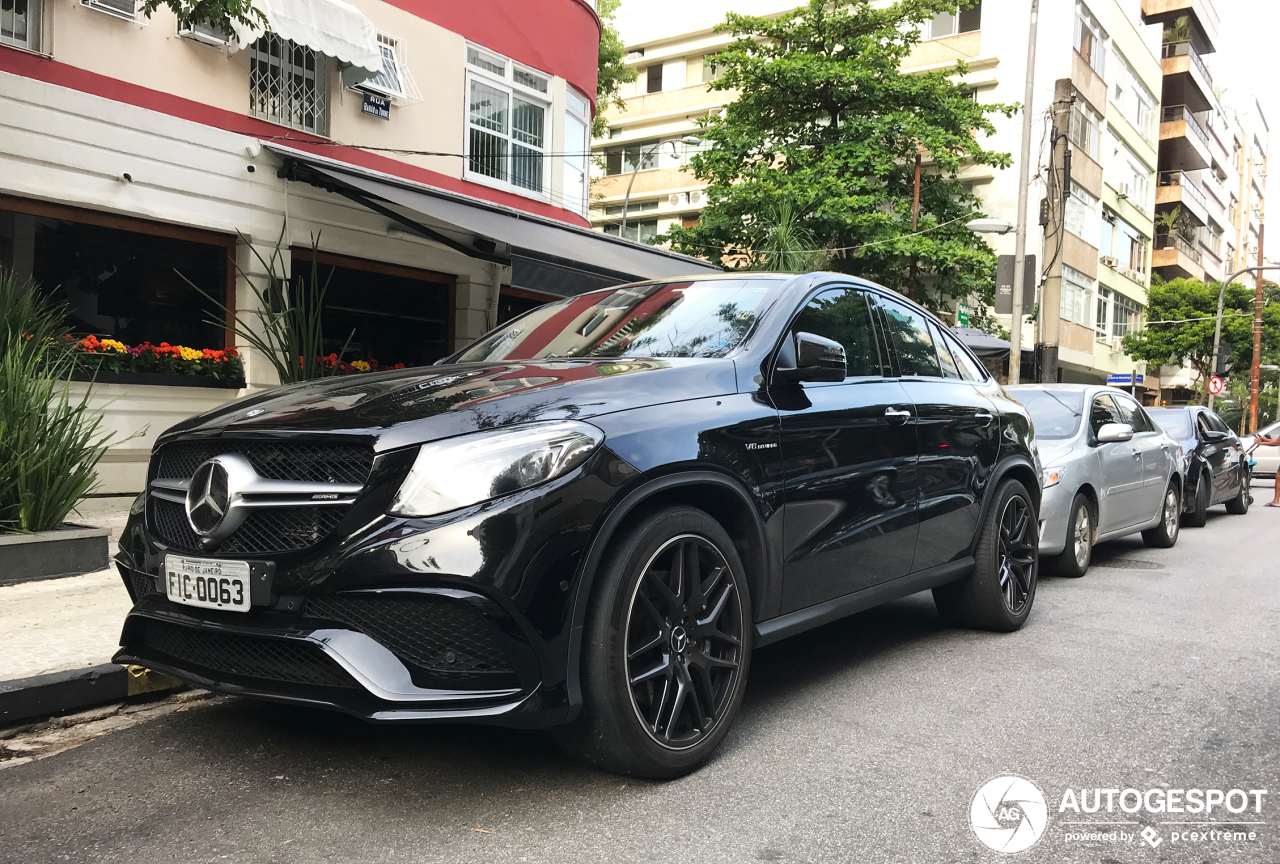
<point>927,33</point>
<point>320,111</point>
<point>108,7</point>
<point>1136,102</point>
<point>34,22</point>
<point>1076,297</point>
<point>1081,215</point>
<point>506,82</point>
<point>1130,309</point>
<point>395,71</point>
<point>1085,21</point>
<point>1085,120</point>
<point>577,109</point>
<point>1102,313</point>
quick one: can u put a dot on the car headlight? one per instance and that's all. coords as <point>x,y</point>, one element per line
<point>139,504</point>
<point>459,472</point>
<point>1052,477</point>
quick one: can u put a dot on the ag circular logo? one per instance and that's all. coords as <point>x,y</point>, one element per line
<point>1009,814</point>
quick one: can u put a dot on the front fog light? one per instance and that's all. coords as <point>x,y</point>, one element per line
<point>459,472</point>
<point>1052,477</point>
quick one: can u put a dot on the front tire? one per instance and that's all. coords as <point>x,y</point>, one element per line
<point>666,649</point>
<point>1074,560</point>
<point>1239,505</point>
<point>999,593</point>
<point>1198,515</point>
<point>1165,534</point>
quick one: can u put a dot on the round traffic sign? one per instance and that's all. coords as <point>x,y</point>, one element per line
<point>1215,385</point>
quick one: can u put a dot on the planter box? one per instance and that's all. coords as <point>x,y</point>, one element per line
<point>67,551</point>
<point>164,379</point>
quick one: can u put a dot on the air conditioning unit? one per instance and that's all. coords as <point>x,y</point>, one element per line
<point>126,9</point>
<point>1117,344</point>
<point>677,199</point>
<point>633,56</point>
<point>1123,191</point>
<point>204,33</point>
<point>1109,260</point>
<point>697,198</point>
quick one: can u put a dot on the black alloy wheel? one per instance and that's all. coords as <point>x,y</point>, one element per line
<point>999,593</point>
<point>684,640</point>
<point>1018,542</point>
<point>666,648</point>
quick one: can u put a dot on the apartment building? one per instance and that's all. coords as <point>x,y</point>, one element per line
<point>436,153</point>
<point>1097,97</point>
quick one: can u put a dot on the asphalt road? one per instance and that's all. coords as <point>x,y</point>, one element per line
<point>864,741</point>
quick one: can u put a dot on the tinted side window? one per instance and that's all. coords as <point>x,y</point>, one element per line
<point>909,335</point>
<point>949,367</point>
<point>1216,422</point>
<point>1104,411</point>
<point>970,369</point>
<point>1132,413</point>
<point>844,316</point>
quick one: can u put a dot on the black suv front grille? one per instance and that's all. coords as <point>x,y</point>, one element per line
<point>267,530</point>
<point>247,656</point>
<point>313,462</point>
<point>432,633</point>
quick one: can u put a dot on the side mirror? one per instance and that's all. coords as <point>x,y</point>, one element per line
<point>817,359</point>
<point>1213,435</point>
<point>1112,432</point>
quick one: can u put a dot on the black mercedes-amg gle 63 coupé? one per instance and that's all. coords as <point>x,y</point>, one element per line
<point>588,519</point>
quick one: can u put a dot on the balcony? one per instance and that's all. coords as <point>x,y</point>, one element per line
<point>1173,257</point>
<point>1184,143</point>
<point>1201,13</point>
<point>1186,79</point>
<point>1176,189</point>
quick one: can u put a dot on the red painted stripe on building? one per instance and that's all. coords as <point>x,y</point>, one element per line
<point>64,75</point>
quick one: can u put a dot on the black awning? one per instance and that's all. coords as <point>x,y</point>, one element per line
<point>583,257</point>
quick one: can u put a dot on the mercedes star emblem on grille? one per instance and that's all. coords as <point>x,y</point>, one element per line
<point>207,497</point>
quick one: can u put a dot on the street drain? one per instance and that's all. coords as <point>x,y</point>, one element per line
<point>1127,564</point>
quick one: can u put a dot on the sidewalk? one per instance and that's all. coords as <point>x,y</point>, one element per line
<point>63,625</point>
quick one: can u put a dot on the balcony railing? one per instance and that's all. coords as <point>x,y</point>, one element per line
<point>1185,49</point>
<point>1189,189</point>
<point>1174,113</point>
<point>1174,241</point>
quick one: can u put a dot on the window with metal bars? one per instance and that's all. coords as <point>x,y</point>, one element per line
<point>506,122</point>
<point>20,23</point>
<point>287,84</point>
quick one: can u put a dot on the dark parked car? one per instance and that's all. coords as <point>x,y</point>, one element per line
<point>588,519</point>
<point>1214,462</point>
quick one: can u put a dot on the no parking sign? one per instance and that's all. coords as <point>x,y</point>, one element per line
<point>1215,385</point>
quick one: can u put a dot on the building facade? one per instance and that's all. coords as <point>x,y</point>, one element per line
<point>430,158</point>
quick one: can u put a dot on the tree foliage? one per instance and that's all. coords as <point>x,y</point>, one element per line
<point>1191,341</point>
<point>611,72</point>
<point>827,123</point>
<point>221,14</point>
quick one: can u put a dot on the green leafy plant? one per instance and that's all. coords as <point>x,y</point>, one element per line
<point>788,247</point>
<point>285,328</point>
<point>1179,32</point>
<point>221,14</point>
<point>50,443</point>
<point>611,69</point>
<point>827,120</point>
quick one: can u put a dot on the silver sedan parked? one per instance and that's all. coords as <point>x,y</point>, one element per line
<point>1108,472</point>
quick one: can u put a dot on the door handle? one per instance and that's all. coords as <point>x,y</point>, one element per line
<point>896,415</point>
<point>985,417</point>
<point>1136,454</point>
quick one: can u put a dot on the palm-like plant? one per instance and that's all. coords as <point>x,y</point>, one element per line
<point>788,247</point>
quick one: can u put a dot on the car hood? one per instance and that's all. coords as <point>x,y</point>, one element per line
<point>1054,453</point>
<point>410,406</point>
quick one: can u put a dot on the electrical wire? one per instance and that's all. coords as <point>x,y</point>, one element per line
<point>862,245</point>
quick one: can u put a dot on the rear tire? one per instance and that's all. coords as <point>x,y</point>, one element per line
<point>670,605</point>
<point>1074,560</point>
<point>1198,515</point>
<point>1165,534</point>
<point>1239,505</point>
<point>999,593</point>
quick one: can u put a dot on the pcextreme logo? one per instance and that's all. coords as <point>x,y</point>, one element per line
<point>1009,814</point>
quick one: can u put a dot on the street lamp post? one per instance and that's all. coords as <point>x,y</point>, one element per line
<point>1020,242</point>
<point>1217,327</point>
<point>688,139</point>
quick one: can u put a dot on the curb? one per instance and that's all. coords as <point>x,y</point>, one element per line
<point>77,689</point>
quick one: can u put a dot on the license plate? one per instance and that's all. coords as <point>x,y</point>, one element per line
<point>206,583</point>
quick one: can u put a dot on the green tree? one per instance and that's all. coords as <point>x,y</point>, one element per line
<point>1191,341</point>
<point>611,72</point>
<point>827,122</point>
<point>216,13</point>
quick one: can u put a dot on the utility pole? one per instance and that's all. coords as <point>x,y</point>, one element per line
<point>915,219</point>
<point>1024,173</point>
<point>1256,372</point>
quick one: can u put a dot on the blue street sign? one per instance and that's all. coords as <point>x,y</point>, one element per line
<point>1122,378</point>
<point>376,106</point>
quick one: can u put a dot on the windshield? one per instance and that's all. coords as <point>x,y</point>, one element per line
<point>1175,422</point>
<point>665,319</point>
<point>1056,413</point>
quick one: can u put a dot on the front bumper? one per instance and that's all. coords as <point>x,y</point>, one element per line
<point>1055,513</point>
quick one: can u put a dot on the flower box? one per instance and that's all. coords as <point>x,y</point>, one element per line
<point>163,379</point>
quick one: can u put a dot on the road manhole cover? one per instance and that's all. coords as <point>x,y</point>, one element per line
<point>1127,564</point>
